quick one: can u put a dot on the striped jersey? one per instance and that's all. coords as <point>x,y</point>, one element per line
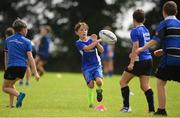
<point>168,34</point>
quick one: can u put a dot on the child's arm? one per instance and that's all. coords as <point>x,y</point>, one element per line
<point>158,53</point>
<point>99,46</point>
<point>148,45</point>
<point>93,44</point>
<point>5,59</point>
<point>32,62</point>
<point>133,55</point>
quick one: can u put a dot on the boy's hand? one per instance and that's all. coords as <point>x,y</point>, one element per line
<point>37,77</point>
<point>158,53</point>
<point>130,66</point>
<point>94,37</point>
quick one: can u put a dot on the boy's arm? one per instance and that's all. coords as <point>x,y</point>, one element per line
<point>93,44</point>
<point>133,55</point>
<point>158,52</point>
<point>32,62</point>
<point>148,45</point>
<point>5,59</point>
<point>100,48</point>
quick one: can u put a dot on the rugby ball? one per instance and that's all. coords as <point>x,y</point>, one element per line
<point>107,36</point>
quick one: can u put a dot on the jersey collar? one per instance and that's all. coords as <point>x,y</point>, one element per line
<point>170,17</point>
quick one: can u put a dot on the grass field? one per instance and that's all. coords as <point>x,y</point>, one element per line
<point>64,95</point>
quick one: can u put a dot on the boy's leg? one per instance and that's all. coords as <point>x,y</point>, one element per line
<point>126,77</point>
<point>99,89</point>
<point>144,82</point>
<point>90,83</point>
<point>11,105</point>
<point>28,75</point>
<point>7,87</point>
<point>91,94</point>
<point>161,98</point>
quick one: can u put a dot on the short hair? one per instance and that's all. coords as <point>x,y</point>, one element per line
<point>139,15</point>
<point>79,24</point>
<point>47,28</point>
<point>9,31</point>
<point>18,24</point>
<point>170,8</point>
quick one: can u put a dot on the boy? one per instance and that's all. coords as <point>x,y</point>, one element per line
<point>140,65</point>
<point>17,51</point>
<point>43,51</point>
<point>88,47</point>
<point>168,32</point>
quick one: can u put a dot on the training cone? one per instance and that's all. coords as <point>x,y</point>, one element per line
<point>100,108</point>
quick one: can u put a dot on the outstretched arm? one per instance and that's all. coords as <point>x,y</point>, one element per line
<point>93,44</point>
<point>148,45</point>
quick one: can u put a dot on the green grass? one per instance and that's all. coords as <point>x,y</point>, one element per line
<point>64,94</point>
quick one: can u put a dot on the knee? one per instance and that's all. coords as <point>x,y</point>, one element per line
<point>144,87</point>
<point>91,84</point>
<point>99,82</point>
<point>122,83</point>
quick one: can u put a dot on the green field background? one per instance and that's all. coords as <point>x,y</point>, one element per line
<point>65,95</point>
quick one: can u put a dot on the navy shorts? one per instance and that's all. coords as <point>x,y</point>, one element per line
<point>168,73</point>
<point>141,68</point>
<point>14,72</point>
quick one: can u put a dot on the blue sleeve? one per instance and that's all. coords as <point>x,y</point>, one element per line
<point>134,35</point>
<point>160,32</point>
<point>80,45</point>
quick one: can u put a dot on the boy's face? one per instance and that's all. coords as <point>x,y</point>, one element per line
<point>82,32</point>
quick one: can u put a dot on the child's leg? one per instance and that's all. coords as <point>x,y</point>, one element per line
<point>99,89</point>
<point>126,77</point>
<point>161,93</point>
<point>7,87</point>
<point>91,94</point>
<point>28,75</point>
<point>144,82</point>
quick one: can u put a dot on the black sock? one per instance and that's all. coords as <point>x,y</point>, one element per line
<point>125,95</point>
<point>150,99</point>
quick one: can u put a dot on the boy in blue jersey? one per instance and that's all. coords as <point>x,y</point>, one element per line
<point>17,52</point>
<point>140,65</point>
<point>88,47</point>
<point>168,34</point>
<point>43,51</point>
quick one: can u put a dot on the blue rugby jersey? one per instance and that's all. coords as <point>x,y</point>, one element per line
<point>17,46</point>
<point>141,34</point>
<point>91,58</point>
<point>44,46</point>
<point>168,34</point>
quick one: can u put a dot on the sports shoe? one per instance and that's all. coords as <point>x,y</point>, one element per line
<point>20,99</point>
<point>161,112</point>
<point>99,95</point>
<point>126,109</point>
